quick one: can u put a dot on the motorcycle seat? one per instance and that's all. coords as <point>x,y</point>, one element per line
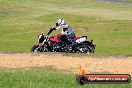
<point>78,37</point>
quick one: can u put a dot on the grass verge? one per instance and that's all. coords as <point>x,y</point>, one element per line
<point>45,77</point>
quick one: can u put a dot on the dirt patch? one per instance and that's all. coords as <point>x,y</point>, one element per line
<point>92,64</point>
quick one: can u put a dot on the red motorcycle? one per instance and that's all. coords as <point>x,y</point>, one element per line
<point>55,44</point>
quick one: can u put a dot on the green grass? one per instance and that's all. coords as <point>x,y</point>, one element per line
<point>108,24</point>
<point>45,77</point>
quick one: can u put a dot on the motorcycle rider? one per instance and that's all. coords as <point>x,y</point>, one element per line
<point>66,31</point>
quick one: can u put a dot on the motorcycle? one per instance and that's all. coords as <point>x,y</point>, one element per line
<point>55,44</point>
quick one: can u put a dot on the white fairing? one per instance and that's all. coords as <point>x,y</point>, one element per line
<point>81,40</point>
<point>39,37</point>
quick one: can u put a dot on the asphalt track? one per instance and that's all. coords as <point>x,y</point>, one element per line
<point>115,1</point>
